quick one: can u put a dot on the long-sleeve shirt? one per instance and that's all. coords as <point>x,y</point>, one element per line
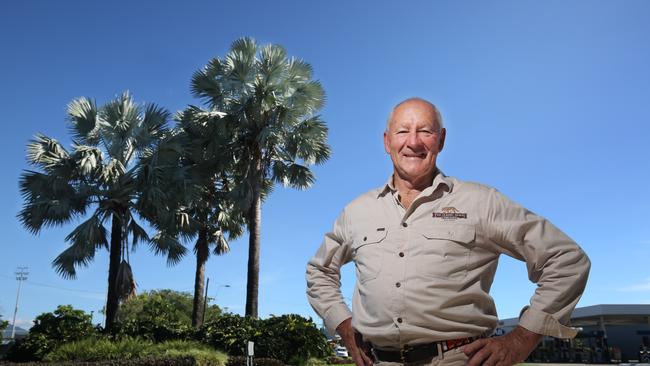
<point>424,273</point>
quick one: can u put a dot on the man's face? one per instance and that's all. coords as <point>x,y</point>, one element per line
<point>413,141</point>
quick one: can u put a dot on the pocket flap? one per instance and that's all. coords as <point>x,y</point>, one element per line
<point>459,233</point>
<point>369,237</point>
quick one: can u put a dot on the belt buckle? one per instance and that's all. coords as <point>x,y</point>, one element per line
<point>403,353</point>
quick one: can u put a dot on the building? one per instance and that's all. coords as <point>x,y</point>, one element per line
<point>608,333</point>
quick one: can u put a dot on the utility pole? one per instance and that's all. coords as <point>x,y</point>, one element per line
<point>21,275</point>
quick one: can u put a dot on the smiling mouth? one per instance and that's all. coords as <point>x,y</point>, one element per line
<point>419,156</point>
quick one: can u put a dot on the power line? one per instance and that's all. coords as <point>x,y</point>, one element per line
<point>42,284</point>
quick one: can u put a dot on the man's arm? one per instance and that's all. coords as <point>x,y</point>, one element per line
<point>555,263</point>
<point>324,276</point>
<point>324,289</point>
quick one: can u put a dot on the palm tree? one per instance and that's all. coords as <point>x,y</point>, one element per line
<point>186,182</point>
<point>98,176</point>
<point>269,103</point>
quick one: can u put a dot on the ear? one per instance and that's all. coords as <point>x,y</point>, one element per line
<point>386,143</point>
<point>441,139</point>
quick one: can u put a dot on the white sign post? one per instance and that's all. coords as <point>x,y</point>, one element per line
<point>250,352</point>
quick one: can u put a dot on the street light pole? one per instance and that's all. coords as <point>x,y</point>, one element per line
<point>21,275</point>
<point>205,300</point>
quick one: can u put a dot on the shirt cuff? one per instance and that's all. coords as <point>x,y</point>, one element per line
<point>543,323</point>
<point>335,316</point>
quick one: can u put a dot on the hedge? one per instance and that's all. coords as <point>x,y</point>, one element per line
<point>149,361</point>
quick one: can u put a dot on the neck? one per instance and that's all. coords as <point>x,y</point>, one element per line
<point>409,186</point>
<point>409,189</point>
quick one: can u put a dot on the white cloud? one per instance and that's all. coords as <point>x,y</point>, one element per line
<point>23,323</point>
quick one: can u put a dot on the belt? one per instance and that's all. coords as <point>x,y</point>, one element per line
<point>420,352</point>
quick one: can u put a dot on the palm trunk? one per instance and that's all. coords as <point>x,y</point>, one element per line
<point>199,279</point>
<point>112,301</point>
<point>254,223</point>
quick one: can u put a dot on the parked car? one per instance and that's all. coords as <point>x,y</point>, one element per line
<point>341,351</point>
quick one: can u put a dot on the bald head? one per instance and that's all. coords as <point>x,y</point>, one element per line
<point>417,103</point>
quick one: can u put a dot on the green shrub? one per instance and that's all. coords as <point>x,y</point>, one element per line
<point>93,349</point>
<point>230,333</point>
<point>259,361</point>
<point>65,324</point>
<point>148,361</point>
<point>315,362</point>
<point>202,357</point>
<point>154,330</point>
<point>159,315</point>
<point>203,354</point>
<point>134,348</point>
<point>291,338</point>
<point>3,324</point>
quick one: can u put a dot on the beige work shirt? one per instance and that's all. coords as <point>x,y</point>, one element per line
<point>424,273</point>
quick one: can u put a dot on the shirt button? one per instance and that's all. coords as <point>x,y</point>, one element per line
<point>401,254</point>
<point>405,224</point>
<point>398,284</point>
<point>365,238</point>
<point>399,320</point>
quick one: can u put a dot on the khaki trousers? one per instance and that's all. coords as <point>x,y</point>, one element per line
<point>455,357</point>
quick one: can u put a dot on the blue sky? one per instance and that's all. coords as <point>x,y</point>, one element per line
<point>546,101</point>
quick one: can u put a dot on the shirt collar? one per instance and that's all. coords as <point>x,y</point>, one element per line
<point>439,179</point>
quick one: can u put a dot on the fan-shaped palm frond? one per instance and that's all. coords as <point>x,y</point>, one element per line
<point>273,132</point>
<point>166,244</point>
<point>49,201</point>
<point>46,153</point>
<point>84,240</point>
<point>84,124</point>
<point>99,175</point>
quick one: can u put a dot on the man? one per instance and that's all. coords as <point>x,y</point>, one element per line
<point>426,248</point>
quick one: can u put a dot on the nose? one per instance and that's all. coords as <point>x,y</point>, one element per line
<point>413,140</point>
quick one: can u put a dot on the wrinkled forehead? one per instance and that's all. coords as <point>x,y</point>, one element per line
<point>415,113</point>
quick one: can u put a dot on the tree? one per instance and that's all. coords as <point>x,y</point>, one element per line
<point>186,182</point>
<point>160,315</point>
<point>64,325</point>
<point>267,103</point>
<point>3,324</point>
<point>98,176</point>
<point>289,338</point>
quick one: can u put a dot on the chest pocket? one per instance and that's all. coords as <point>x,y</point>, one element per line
<point>444,251</point>
<point>368,250</point>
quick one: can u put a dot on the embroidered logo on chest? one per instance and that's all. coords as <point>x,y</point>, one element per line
<point>450,214</point>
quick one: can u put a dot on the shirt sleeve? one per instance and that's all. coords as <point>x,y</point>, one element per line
<point>557,264</point>
<point>324,276</point>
